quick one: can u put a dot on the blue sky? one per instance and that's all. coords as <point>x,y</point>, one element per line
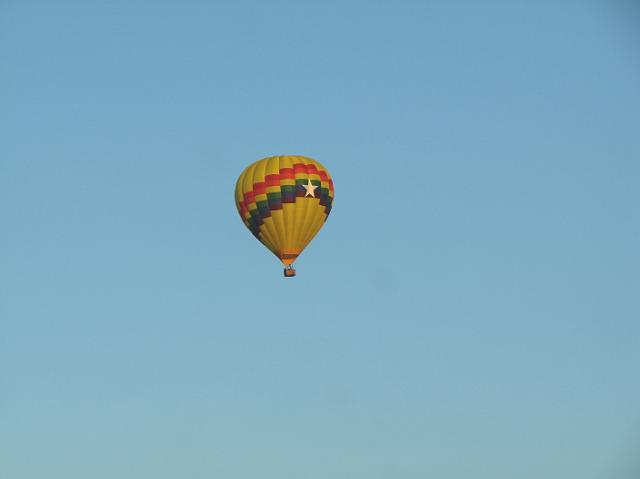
<point>469,310</point>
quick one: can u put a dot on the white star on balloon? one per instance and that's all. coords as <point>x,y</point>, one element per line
<point>310,189</point>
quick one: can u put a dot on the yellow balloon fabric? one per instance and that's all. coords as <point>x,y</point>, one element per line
<point>284,201</point>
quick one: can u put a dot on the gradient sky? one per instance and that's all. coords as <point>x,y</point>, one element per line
<point>470,310</point>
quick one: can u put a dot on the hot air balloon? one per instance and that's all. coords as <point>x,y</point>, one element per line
<point>284,201</point>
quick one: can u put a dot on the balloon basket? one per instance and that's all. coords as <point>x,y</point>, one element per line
<point>289,272</point>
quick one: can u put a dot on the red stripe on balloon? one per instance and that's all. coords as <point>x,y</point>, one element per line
<point>272,180</point>
<point>287,174</point>
<point>259,188</point>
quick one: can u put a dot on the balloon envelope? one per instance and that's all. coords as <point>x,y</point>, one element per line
<point>284,201</point>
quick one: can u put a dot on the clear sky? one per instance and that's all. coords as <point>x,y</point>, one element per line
<point>470,310</point>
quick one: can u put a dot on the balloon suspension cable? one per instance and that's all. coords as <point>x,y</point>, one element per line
<point>289,271</point>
